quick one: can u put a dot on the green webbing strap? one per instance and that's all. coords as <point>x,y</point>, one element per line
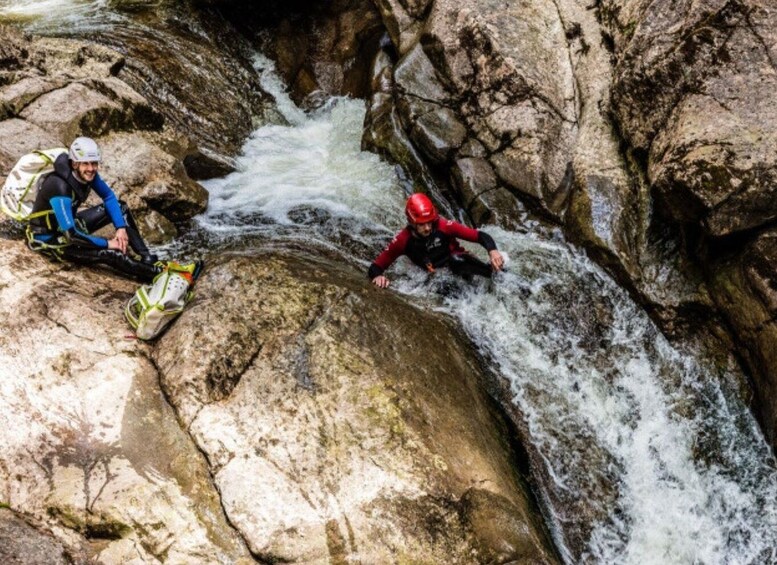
<point>142,296</point>
<point>130,314</point>
<point>50,249</point>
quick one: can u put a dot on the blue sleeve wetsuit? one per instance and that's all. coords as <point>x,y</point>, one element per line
<point>70,231</point>
<point>64,207</point>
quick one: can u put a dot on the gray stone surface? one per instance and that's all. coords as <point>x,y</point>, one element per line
<point>18,137</point>
<point>89,447</point>
<point>327,445</point>
<point>22,544</point>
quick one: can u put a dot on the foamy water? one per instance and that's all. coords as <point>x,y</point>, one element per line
<point>59,17</point>
<point>627,426</point>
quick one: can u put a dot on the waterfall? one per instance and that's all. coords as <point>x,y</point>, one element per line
<point>649,441</point>
<point>60,16</point>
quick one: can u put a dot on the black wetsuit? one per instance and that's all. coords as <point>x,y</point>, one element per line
<point>440,248</point>
<point>66,232</point>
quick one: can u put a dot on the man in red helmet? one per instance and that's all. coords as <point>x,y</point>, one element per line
<point>430,242</point>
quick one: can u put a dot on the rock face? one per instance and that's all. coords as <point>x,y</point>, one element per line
<point>322,443</point>
<point>22,543</point>
<point>90,452</point>
<point>647,135</point>
<point>695,97</point>
<point>65,88</point>
<point>196,70</point>
<point>338,431</point>
<point>324,49</point>
<point>743,284</point>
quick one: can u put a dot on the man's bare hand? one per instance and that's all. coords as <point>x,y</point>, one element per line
<point>496,260</point>
<point>381,282</point>
<point>121,239</point>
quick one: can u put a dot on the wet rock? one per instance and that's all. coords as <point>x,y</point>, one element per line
<point>483,197</point>
<point>196,71</point>
<point>324,49</point>
<point>384,133</point>
<point>190,65</point>
<point>336,428</point>
<point>14,53</point>
<point>744,285</point>
<point>74,109</point>
<point>22,543</point>
<point>16,96</point>
<point>404,21</point>
<point>89,448</point>
<point>433,128</point>
<point>497,528</point>
<point>136,162</point>
<point>700,103</point>
<point>76,60</point>
<point>694,97</point>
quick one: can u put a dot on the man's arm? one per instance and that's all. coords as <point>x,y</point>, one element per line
<point>120,240</point>
<point>383,261</point>
<point>111,202</point>
<point>476,236</point>
<point>63,212</point>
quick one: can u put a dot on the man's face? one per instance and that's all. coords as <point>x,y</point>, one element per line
<point>86,170</point>
<point>423,230</point>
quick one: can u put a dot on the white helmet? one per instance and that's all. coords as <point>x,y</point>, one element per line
<point>84,149</point>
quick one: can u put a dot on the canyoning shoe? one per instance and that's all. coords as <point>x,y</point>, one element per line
<point>149,259</point>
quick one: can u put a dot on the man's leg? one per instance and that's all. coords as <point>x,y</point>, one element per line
<point>112,258</point>
<point>97,217</point>
<point>465,266</point>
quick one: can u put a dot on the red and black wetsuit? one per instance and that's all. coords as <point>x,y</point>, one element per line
<point>438,249</point>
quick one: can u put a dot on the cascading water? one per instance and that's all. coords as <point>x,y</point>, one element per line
<point>60,16</point>
<point>647,456</point>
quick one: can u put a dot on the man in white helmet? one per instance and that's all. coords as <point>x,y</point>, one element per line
<point>66,232</point>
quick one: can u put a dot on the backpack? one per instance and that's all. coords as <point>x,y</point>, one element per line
<point>154,306</point>
<point>18,194</point>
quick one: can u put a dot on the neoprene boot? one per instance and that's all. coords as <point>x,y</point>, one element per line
<point>135,239</point>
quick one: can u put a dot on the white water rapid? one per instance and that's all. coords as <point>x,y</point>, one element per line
<point>60,16</point>
<point>628,429</point>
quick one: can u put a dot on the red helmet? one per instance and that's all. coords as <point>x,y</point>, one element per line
<point>419,209</point>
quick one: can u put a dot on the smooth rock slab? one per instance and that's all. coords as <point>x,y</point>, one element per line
<point>340,423</point>
<point>88,446</point>
<point>18,137</point>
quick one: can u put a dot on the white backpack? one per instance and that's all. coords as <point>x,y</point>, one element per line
<point>17,196</point>
<point>154,306</point>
